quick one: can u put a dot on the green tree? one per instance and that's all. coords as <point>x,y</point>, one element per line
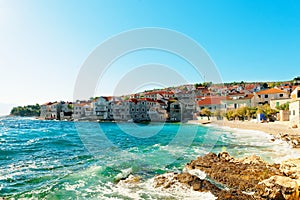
<point>206,112</point>
<point>283,106</point>
<point>265,85</point>
<point>230,114</point>
<point>29,110</point>
<point>267,111</point>
<point>70,106</point>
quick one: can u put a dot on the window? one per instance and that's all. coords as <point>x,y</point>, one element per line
<point>132,109</point>
<point>259,96</point>
<point>266,96</point>
<point>143,109</point>
<point>280,95</point>
<point>137,110</point>
<point>294,113</point>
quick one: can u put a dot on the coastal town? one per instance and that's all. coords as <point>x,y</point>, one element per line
<point>187,102</point>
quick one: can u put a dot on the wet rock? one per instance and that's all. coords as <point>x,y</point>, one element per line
<point>237,174</point>
<point>132,179</point>
<point>278,188</point>
<point>227,177</point>
<point>295,126</point>
<point>295,143</point>
<point>291,168</point>
<point>293,140</point>
<point>225,156</point>
<point>252,160</point>
<point>169,179</point>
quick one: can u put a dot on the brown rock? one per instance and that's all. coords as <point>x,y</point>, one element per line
<point>252,160</point>
<point>295,126</point>
<point>238,174</point>
<point>132,179</point>
<point>291,168</point>
<point>169,179</point>
<point>278,188</point>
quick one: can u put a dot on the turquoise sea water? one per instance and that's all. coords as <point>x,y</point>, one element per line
<point>82,160</point>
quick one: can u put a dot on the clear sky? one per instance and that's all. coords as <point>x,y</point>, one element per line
<point>43,44</point>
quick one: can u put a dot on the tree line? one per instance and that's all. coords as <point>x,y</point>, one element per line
<point>26,111</point>
<point>244,113</point>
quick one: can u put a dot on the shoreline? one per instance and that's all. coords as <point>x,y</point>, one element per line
<point>272,128</point>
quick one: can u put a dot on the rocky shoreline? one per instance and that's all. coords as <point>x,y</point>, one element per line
<point>244,178</point>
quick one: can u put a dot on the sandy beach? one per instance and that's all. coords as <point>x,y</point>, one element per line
<point>273,128</point>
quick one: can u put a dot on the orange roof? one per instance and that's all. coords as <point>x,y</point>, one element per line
<point>249,86</point>
<point>80,104</point>
<point>294,87</point>
<point>236,93</point>
<point>271,91</point>
<point>212,100</point>
<point>248,96</point>
<point>47,104</point>
<point>161,92</point>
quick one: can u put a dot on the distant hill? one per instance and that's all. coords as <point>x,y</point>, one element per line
<point>26,111</point>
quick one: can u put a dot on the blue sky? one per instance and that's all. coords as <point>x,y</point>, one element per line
<point>43,44</point>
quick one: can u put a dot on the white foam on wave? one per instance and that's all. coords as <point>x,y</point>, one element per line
<point>14,170</point>
<point>259,143</point>
<point>196,172</point>
<point>123,174</point>
<point>177,190</point>
<point>144,190</point>
<point>74,187</point>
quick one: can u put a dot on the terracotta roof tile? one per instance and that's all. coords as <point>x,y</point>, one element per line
<point>212,100</point>
<point>271,91</point>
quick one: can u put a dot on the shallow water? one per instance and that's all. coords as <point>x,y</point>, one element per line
<point>82,160</point>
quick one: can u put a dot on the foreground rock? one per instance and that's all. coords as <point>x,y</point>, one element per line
<point>237,174</point>
<point>278,187</point>
<point>244,178</point>
<point>291,168</point>
<point>197,184</point>
<point>293,140</point>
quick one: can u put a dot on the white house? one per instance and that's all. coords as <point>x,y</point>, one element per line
<point>101,107</point>
<point>234,103</point>
<point>82,109</point>
<point>264,96</point>
<point>294,107</point>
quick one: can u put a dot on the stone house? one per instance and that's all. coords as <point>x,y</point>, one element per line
<point>265,96</point>
<point>213,103</point>
<point>82,109</point>
<point>66,111</point>
<point>101,107</point>
<point>234,103</point>
<point>119,110</point>
<point>49,110</point>
<point>175,112</point>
